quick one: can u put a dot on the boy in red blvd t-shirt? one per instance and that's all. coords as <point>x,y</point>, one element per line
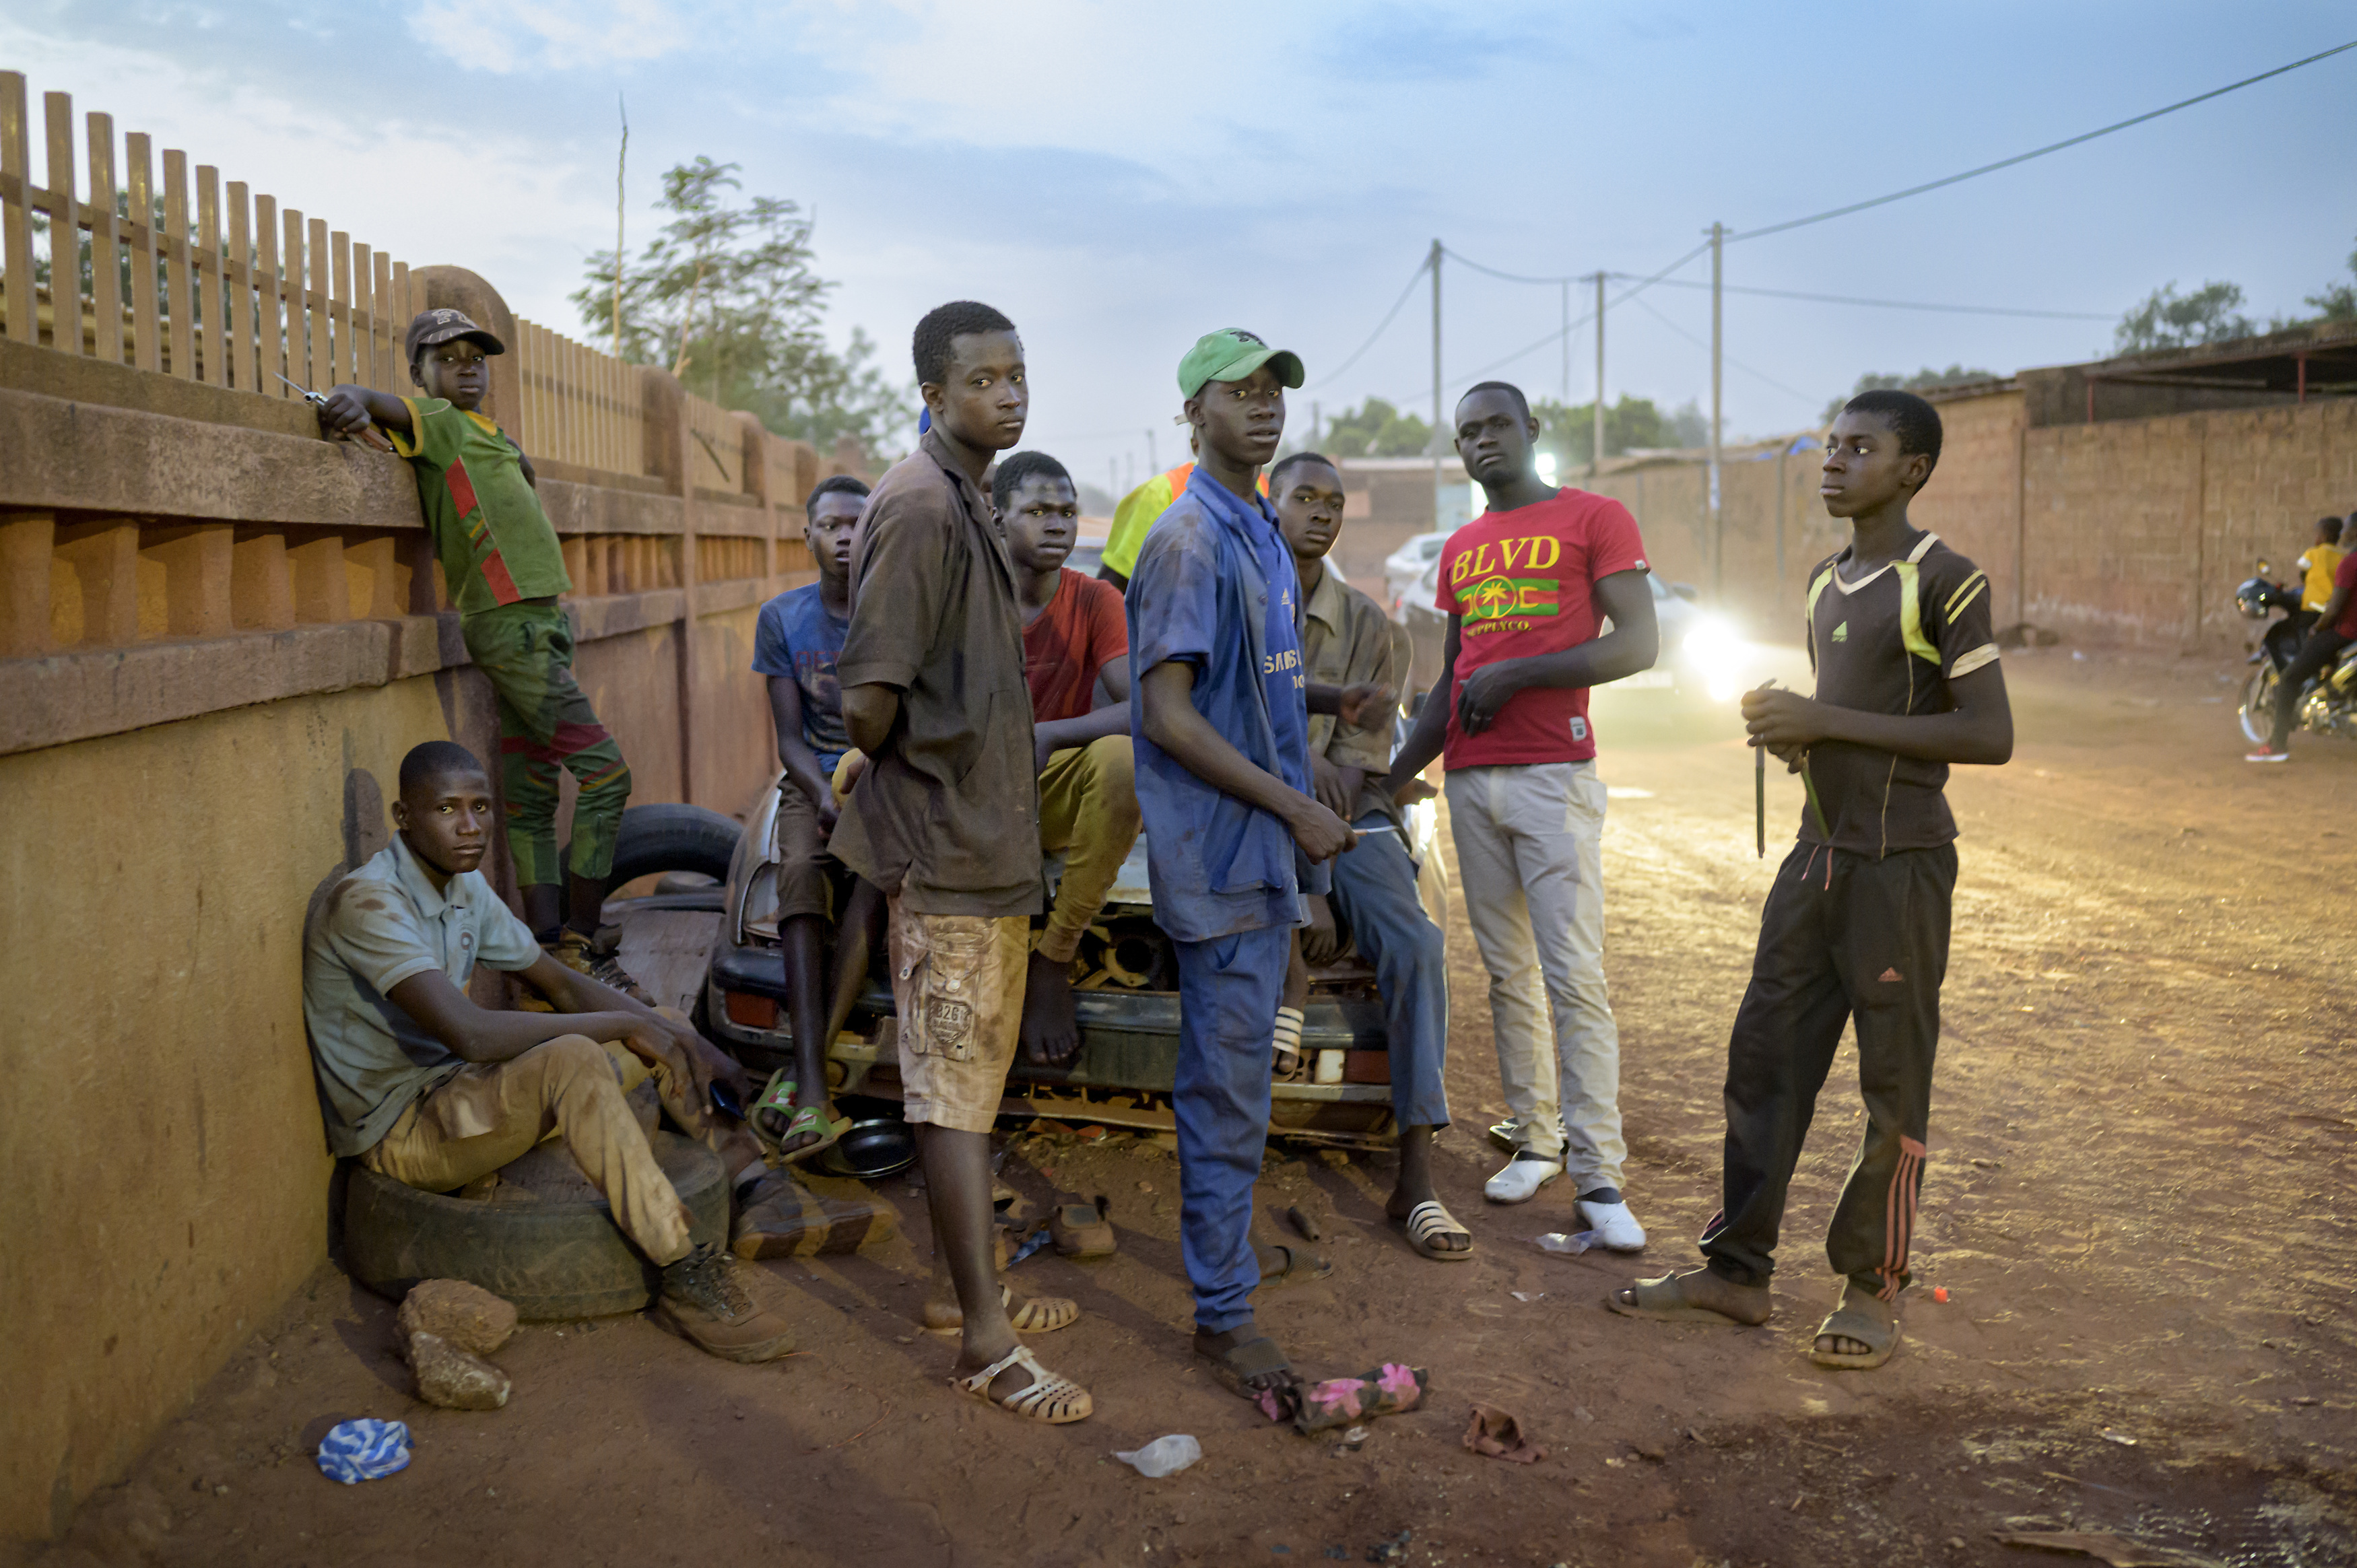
<point>1524,586</point>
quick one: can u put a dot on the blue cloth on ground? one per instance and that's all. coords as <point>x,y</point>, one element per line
<point>366,1449</point>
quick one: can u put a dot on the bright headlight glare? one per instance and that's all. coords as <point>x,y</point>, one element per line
<point>1722,654</point>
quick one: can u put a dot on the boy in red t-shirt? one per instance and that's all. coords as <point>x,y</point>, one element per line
<point>1076,661</point>
<point>1524,586</point>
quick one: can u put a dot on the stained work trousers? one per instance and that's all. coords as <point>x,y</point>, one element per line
<point>1228,992</point>
<point>1088,814</point>
<point>546,723</point>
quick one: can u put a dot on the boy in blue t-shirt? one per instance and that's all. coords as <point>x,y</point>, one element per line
<point>1220,712</point>
<point>799,639</point>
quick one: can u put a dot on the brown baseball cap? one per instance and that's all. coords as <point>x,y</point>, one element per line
<point>428,327</point>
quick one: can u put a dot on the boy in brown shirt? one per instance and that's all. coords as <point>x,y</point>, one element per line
<point>945,819</point>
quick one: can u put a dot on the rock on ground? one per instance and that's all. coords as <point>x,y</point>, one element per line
<point>469,1317</point>
<point>452,1378</point>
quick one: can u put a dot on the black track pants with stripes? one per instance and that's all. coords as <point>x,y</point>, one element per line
<point>1843,936</point>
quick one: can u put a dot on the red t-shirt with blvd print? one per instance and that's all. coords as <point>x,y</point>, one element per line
<point>1523,583</point>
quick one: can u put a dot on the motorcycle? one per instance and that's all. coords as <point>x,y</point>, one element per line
<point>2329,704</point>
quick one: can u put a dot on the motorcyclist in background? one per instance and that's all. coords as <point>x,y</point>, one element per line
<point>2336,628</point>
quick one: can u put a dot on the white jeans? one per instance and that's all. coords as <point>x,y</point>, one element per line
<point>1530,857</point>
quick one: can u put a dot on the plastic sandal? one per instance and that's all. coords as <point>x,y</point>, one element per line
<point>1083,1230</point>
<point>1429,1220</point>
<point>1057,1401</point>
<point>776,1121</point>
<point>1038,1315</point>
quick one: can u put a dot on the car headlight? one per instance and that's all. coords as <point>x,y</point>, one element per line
<point>1721,652</point>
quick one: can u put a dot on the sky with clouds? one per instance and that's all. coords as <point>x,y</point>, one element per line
<point>1121,177</point>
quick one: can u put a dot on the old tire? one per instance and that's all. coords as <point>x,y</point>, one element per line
<point>671,837</point>
<point>551,1260</point>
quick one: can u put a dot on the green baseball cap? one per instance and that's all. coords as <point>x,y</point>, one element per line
<point>1231,356</point>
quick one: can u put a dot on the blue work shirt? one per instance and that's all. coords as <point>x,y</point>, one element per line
<point>1215,586</point>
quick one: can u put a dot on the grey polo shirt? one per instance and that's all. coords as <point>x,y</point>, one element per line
<point>382,923</point>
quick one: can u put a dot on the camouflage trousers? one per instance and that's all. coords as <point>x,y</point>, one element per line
<point>546,723</point>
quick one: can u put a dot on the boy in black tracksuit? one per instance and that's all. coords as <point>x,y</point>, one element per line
<point>1857,925</point>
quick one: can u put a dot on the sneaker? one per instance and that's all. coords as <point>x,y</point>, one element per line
<point>1615,1227</point>
<point>2266,753</point>
<point>1521,1179</point>
<point>706,1299</point>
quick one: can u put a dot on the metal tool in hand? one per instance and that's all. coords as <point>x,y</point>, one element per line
<point>1760,788</point>
<point>370,435</point>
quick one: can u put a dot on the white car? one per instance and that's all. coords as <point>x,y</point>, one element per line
<point>1403,566</point>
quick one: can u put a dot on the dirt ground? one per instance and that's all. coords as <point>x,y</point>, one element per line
<point>2139,1199</point>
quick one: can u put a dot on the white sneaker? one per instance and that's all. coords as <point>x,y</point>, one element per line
<point>1521,1178</point>
<point>1615,1229</point>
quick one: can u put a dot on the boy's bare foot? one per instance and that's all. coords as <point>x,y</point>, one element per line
<point>1050,1029</point>
<point>1697,1295</point>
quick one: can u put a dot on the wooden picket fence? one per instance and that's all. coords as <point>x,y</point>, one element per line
<point>580,406</point>
<point>236,294</point>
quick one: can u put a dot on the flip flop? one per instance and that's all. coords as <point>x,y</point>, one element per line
<point>1285,1264</point>
<point>1082,1230</point>
<point>775,1120</point>
<point>1239,1363</point>
<point>1665,1301</point>
<point>1038,1315</point>
<point>1875,1327</point>
<point>1057,1401</point>
<point>1430,1219</point>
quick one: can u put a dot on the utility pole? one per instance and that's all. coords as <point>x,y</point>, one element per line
<point>1153,463</point>
<point>1596,452</point>
<point>1717,516</point>
<point>1567,342</point>
<point>1316,424</point>
<point>1112,479</point>
<point>1436,445</point>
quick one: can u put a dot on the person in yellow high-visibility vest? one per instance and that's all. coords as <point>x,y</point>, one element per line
<point>1136,514</point>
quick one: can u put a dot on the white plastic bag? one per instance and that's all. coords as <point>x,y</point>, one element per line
<point>1556,1241</point>
<point>1164,1455</point>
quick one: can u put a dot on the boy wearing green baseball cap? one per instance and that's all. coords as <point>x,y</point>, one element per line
<point>1220,710</point>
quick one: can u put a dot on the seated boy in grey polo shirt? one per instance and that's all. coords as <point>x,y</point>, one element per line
<point>420,1085</point>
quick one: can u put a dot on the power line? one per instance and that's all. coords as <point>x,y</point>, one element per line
<point>2040,152</point>
<point>1378,332</point>
<point>1894,304</point>
<point>1729,358</point>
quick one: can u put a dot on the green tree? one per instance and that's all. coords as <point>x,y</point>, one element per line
<point>1376,429</point>
<point>1922,380</point>
<point>726,297</point>
<point>1569,432</point>
<point>2337,302</point>
<point>2166,319</point>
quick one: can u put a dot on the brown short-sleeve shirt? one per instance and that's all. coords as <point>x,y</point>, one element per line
<point>947,815</point>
